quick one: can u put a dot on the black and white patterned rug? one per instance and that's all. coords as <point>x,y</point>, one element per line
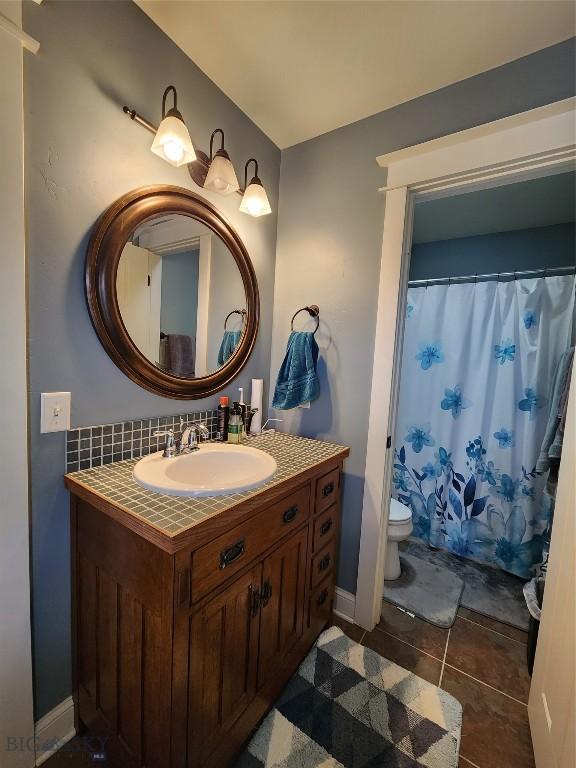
<point>347,707</point>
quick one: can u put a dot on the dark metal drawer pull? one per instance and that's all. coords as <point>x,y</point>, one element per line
<point>290,514</point>
<point>324,563</point>
<point>328,489</point>
<point>228,556</point>
<point>325,527</point>
<point>266,593</point>
<point>255,599</point>
<point>322,597</point>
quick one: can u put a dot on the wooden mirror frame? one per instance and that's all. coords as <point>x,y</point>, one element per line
<point>110,235</point>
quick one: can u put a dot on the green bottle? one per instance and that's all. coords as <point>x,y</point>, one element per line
<point>235,425</point>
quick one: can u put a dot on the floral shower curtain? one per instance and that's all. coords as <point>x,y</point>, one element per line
<point>477,369</point>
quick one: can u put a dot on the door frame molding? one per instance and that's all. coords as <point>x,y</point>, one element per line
<point>527,145</point>
<point>16,686</point>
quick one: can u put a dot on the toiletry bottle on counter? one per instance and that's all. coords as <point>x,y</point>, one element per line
<point>223,416</point>
<point>243,410</point>
<point>235,425</point>
<point>250,413</point>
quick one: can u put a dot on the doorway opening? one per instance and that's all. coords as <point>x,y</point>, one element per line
<point>485,368</point>
<point>485,372</point>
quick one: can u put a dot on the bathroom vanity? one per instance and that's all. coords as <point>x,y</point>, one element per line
<point>191,614</point>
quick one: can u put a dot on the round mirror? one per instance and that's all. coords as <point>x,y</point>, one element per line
<point>172,292</point>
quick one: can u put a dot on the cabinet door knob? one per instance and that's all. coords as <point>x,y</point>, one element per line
<point>328,489</point>
<point>290,514</point>
<point>229,555</point>
<point>325,527</point>
<point>324,563</point>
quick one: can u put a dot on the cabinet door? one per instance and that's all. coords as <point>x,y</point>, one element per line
<point>223,663</point>
<point>282,603</point>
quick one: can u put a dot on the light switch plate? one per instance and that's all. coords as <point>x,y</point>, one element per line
<point>55,411</point>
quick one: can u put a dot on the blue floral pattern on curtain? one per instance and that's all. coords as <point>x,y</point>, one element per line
<point>477,369</point>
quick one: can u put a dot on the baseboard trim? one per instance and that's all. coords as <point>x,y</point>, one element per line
<point>344,604</point>
<point>54,730</point>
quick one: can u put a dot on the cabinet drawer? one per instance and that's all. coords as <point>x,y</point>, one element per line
<point>327,488</point>
<point>323,563</point>
<point>320,608</point>
<point>325,527</point>
<point>217,561</point>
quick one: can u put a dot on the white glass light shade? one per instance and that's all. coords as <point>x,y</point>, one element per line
<point>172,142</point>
<point>255,200</point>
<point>221,176</point>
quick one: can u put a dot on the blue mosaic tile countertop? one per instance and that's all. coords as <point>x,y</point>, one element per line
<point>174,514</point>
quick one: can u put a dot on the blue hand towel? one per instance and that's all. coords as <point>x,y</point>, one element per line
<point>229,343</point>
<point>297,378</point>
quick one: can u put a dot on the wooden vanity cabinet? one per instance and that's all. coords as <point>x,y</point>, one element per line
<point>180,651</point>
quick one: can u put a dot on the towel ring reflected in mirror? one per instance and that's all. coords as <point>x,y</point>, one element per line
<point>241,312</point>
<point>313,310</point>
<point>133,227</point>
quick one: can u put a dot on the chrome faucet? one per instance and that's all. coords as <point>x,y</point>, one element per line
<point>192,436</point>
<point>187,439</point>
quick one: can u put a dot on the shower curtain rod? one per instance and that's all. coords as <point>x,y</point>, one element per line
<point>506,276</point>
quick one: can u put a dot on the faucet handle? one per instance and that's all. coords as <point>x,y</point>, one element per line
<point>163,433</point>
<point>170,447</point>
<point>188,437</point>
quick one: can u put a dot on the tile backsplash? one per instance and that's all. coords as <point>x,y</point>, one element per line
<point>89,447</point>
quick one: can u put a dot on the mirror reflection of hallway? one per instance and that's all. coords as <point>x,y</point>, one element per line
<point>177,282</point>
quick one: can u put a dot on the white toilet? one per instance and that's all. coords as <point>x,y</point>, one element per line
<point>399,528</point>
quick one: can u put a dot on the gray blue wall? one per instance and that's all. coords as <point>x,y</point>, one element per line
<point>330,237</point>
<point>82,153</point>
<point>537,248</point>
<point>226,294</point>
<point>538,202</point>
<point>179,305</point>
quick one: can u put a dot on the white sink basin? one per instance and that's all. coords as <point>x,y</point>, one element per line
<point>215,469</point>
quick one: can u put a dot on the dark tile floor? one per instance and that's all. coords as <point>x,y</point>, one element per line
<point>75,754</point>
<point>479,661</point>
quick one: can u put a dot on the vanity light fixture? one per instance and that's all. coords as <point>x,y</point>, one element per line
<point>172,141</point>
<point>255,200</point>
<point>221,176</point>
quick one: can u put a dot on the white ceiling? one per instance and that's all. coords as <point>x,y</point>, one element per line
<point>300,69</point>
